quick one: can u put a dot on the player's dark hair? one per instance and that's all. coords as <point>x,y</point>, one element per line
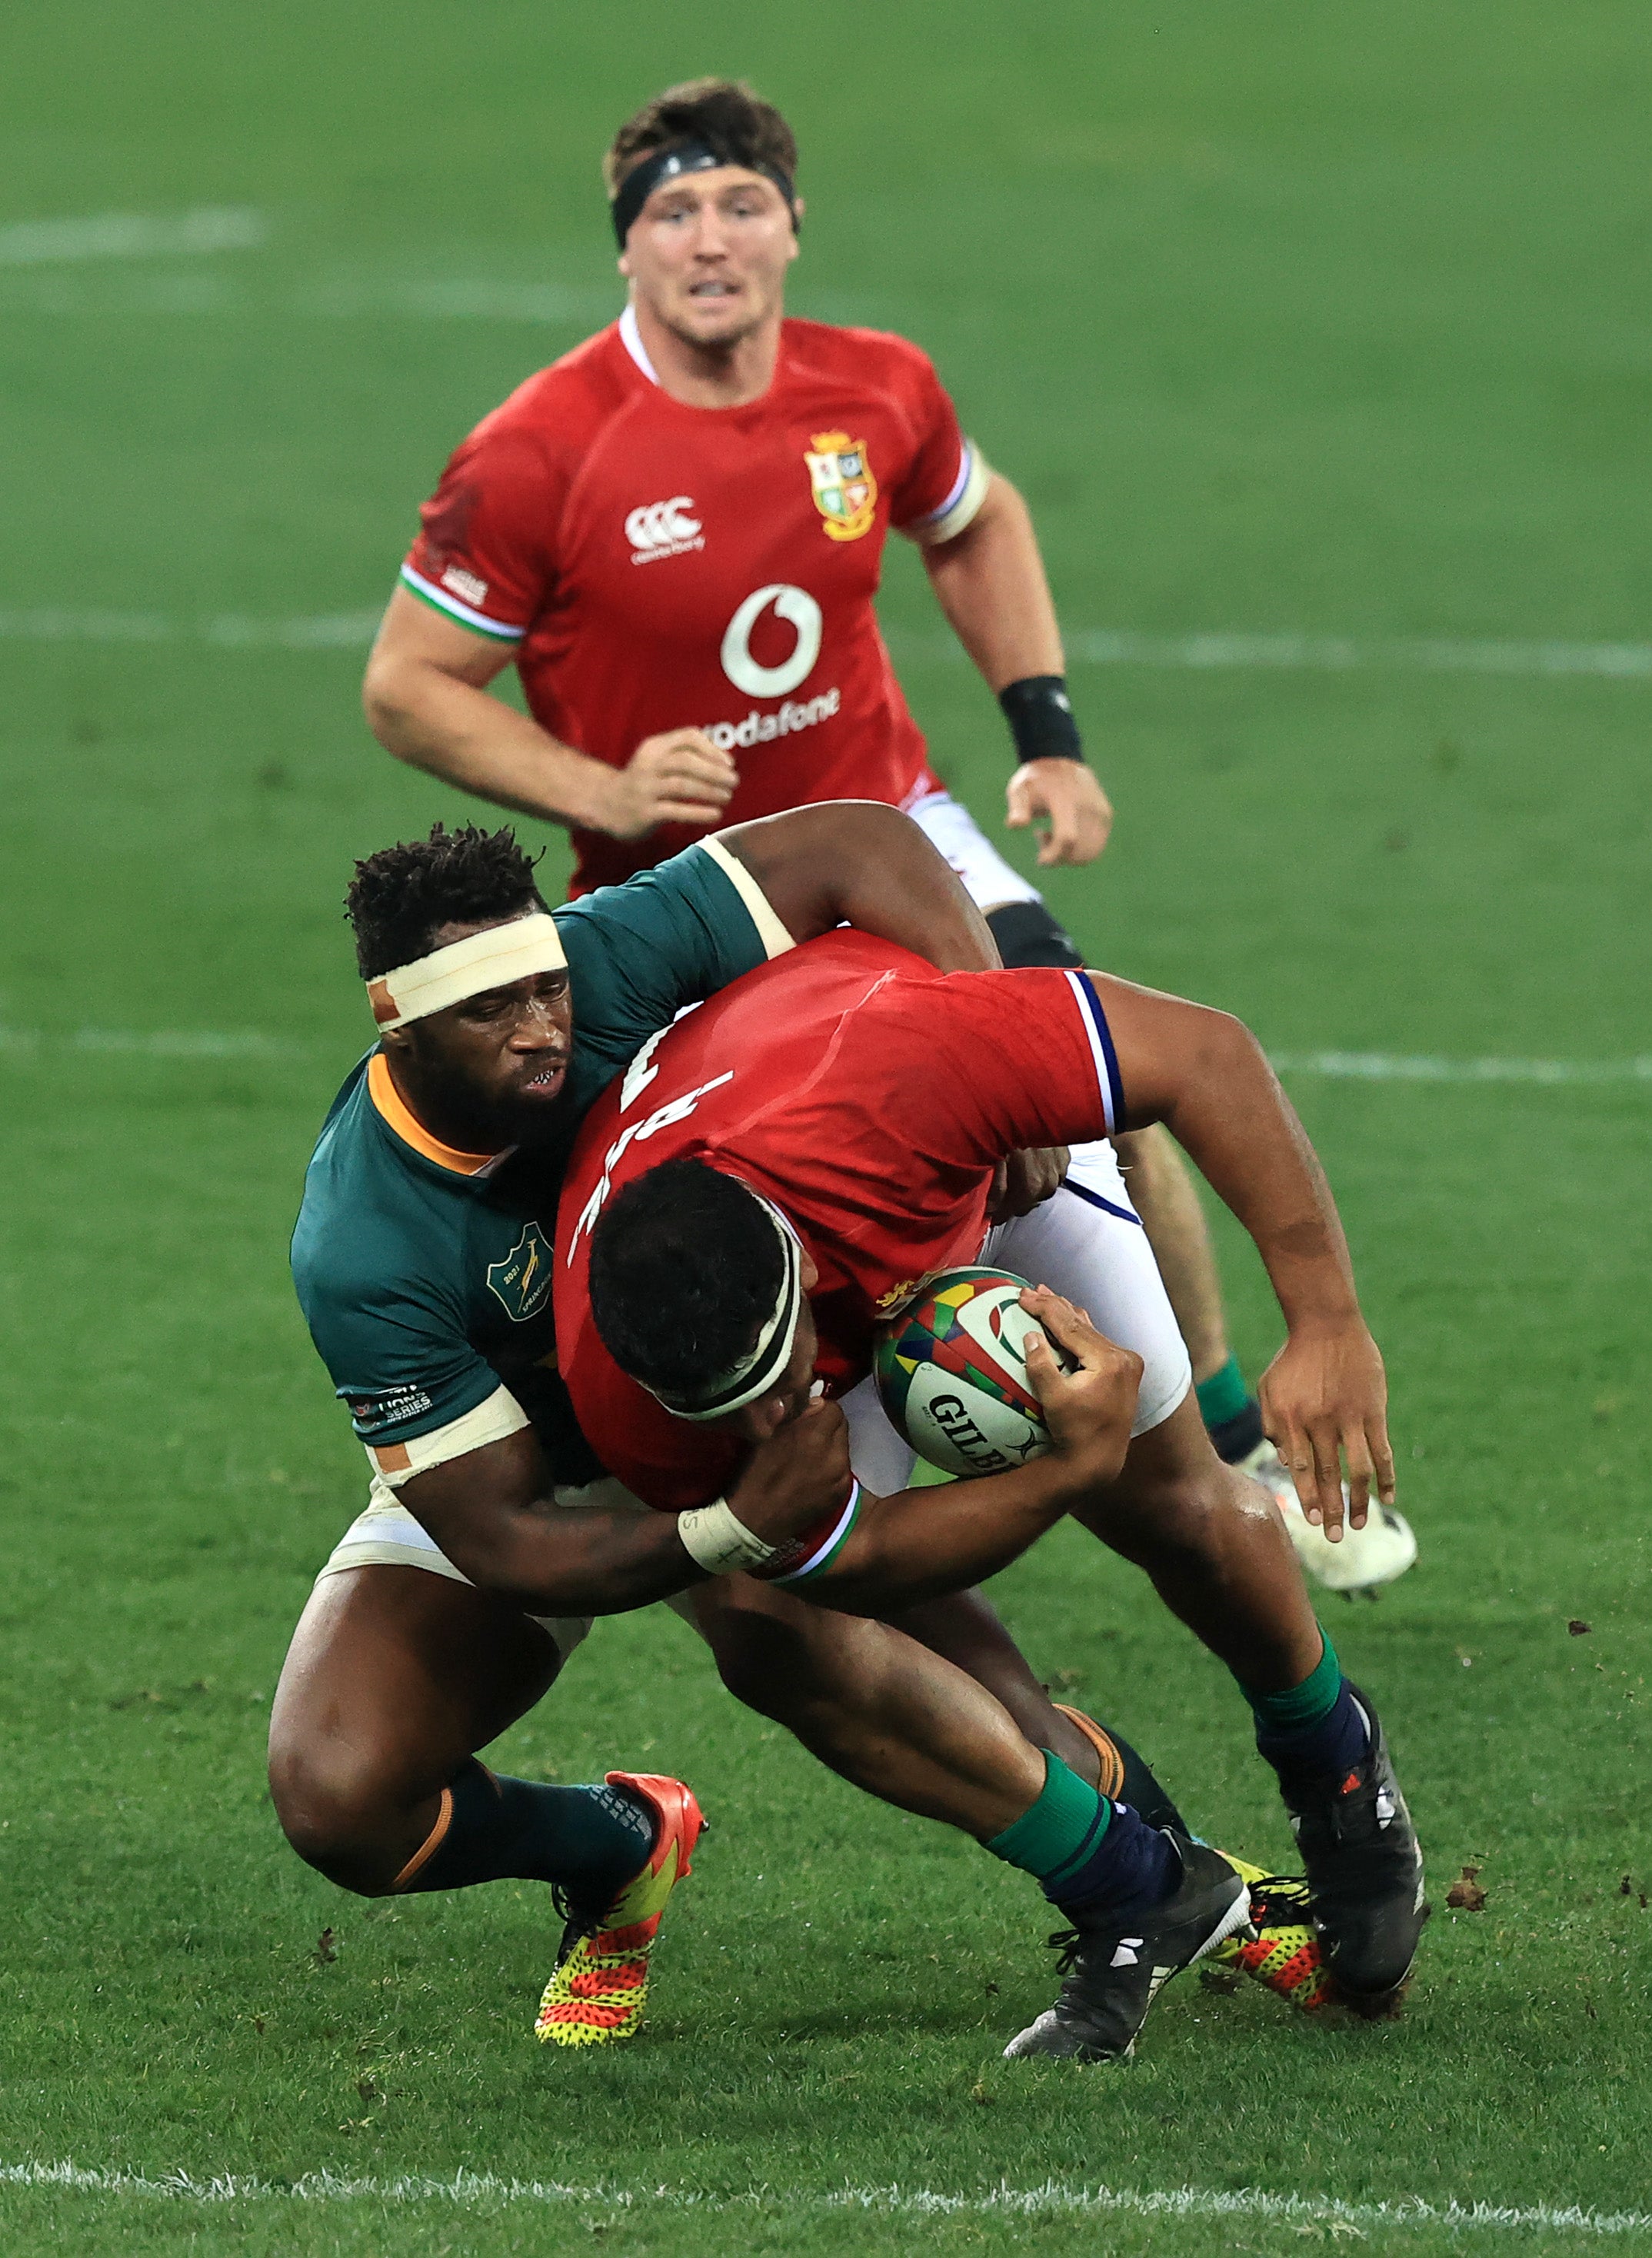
<point>733,121</point>
<point>686,1270</point>
<point>400,898</point>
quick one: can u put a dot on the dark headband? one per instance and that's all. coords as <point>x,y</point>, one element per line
<point>669,164</point>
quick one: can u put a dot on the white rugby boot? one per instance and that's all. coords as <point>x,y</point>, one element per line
<point>1366,1559</point>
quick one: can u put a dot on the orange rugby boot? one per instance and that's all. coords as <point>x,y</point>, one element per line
<point>600,1986</point>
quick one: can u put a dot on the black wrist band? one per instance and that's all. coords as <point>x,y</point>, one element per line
<point>1040,718</point>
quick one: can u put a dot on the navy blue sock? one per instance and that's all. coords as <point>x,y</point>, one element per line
<point>1234,1439</point>
<point>1314,1734</point>
<point>1125,1869</point>
<point>587,1841</point>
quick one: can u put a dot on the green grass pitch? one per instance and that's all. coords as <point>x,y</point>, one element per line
<point>1289,320</point>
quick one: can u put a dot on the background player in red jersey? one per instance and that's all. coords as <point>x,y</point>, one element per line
<point>676,534</point>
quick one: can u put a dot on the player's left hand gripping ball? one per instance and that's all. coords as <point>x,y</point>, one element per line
<point>600,1986</point>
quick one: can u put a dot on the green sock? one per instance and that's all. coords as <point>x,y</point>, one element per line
<point>1315,1732</point>
<point>1059,1834</point>
<point>1299,1706</point>
<point>1224,1395</point>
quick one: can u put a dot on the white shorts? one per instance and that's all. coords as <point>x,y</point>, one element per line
<point>1088,1244</point>
<point>988,879</point>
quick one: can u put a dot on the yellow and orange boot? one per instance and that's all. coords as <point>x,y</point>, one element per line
<point>1282,1950</point>
<point>600,1986</point>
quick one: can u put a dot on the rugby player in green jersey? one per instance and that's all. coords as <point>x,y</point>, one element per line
<point>423,1260</point>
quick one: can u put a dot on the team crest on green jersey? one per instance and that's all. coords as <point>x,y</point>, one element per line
<point>845,491</point>
<point>522,1280</point>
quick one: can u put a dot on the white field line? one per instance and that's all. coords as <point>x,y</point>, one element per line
<point>229,630</point>
<point>1379,1066</point>
<point>46,248</point>
<point>1619,662</point>
<point>132,235</point>
<point>1342,654</point>
<point>43,245</point>
<point>163,1043</point>
<point>461,298</point>
<point>1325,1066</point>
<point>469,2189</point>
<point>1206,652</point>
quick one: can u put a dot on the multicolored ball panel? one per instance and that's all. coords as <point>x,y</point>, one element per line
<point>951,1370</point>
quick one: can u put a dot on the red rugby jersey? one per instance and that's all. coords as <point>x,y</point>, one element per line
<point>869,1098</point>
<point>657,566</point>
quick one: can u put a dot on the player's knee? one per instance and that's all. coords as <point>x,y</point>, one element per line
<point>1183,1519</point>
<point>336,1813</point>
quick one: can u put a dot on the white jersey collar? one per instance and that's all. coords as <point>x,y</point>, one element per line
<point>631,338</point>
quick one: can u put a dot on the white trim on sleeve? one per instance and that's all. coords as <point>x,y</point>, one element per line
<point>772,934</point>
<point>499,1415</point>
<point>958,510</point>
<point>1100,1042</point>
<point>446,602</point>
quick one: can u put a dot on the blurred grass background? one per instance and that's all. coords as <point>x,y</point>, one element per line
<point>1287,322</point>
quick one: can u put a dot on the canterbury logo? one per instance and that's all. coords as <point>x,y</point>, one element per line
<point>662,529</point>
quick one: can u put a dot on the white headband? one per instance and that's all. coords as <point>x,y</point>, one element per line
<point>491,958</point>
<point>756,1373</point>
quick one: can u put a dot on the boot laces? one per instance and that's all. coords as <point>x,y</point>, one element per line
<point>578,1921</point>
<point>1279,1894</point>
<point>1068,1944</point>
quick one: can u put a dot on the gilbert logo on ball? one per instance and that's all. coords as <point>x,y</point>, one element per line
<point>952,1373</point>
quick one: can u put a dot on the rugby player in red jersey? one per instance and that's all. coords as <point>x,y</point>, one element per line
<point>676,533</point>
<point>784,1164</point>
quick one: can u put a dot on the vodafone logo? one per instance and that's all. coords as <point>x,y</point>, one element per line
<point>800,610</point>
<point>662,529</point>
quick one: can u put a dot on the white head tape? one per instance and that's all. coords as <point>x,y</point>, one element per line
<point>758,1372</point>
<point>490,959</point>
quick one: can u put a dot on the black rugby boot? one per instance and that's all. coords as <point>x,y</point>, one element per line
<point>1365,1872</point>
<point>1112,1972</point>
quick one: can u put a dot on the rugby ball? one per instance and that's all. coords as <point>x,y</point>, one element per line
<point>952,1374</point>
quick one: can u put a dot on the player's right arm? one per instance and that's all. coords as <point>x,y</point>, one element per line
<point>492,1513</point>
<point>1040,1056</point>
<point>427,701</point>
<point>1204,1074</point>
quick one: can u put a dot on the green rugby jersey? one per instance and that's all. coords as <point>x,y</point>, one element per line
<point>425,1274</point>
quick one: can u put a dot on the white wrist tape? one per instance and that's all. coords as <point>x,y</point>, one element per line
<point>719,1543</point>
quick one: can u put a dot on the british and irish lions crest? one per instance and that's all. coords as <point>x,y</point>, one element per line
<point>845,491</point>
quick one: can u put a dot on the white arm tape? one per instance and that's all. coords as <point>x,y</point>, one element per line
<point>773,934</point>
<point>961,506</point>
<point>716,1542</point>
<point>492,1420</point>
